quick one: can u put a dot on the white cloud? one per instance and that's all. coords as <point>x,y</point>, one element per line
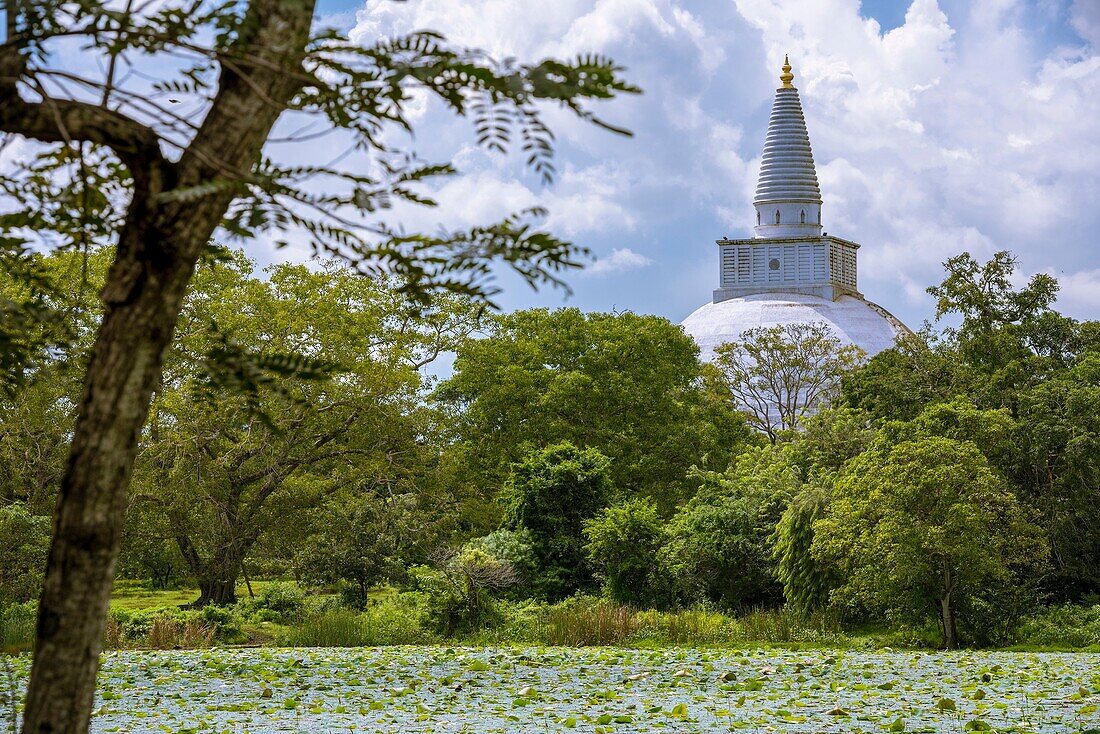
<point>961,129</point>
<point>620,260</point>
<point>1079,295</point>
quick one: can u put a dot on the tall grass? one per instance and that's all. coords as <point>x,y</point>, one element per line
<point>333,628</point>
<point>17,624</point>
<point>580,625</point>
<point>590,621</point>
<point>170,634</point>
<point>386,623</point>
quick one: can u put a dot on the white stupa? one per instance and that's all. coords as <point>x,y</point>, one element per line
<point>789,272</point>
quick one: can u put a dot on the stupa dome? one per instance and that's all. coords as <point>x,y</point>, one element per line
<point>851,320</point>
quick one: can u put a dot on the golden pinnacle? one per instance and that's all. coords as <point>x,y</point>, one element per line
<point>786,77</point>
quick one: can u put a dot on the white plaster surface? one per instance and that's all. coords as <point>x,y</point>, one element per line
<point>852,320</point>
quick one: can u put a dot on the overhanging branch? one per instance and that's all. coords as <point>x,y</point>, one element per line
<point>65,121</point>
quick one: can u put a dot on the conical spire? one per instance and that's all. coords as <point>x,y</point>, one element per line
<point>788,200</point>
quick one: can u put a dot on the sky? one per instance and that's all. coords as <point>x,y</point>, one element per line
<point>938,126</point>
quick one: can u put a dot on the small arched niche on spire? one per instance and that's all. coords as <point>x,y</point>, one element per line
<point>758,216</point>
<point>803,216</point>
<point>777,216</point>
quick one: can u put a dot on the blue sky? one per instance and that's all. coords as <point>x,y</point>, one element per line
<point>937,127</point>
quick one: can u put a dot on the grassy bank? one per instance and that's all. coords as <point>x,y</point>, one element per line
<point>282,615</point>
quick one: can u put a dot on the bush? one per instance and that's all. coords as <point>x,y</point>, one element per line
<point>171,627</point>
<point>227,622</point>
<point>459,591</point>
<point>717,552</point>
<point>1068,626</point>
<point>550,493</point>
<point>400,619</point>
<point>24,545</point>
<point>284,599</point>
<point>396,620</point>
<point>513,547</point>
<point>623,543</point>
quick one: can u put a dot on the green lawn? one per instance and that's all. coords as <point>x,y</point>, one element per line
<point>136,595</point>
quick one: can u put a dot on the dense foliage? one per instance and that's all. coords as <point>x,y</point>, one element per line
<point>550,495</point>
<point>628,385</point>
<point>938,493</point>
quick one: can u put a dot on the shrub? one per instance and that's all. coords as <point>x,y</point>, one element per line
<point>717,552</point>
<point>1067,626</point>
<point>400,619</point>
<point>459,590</point>
<point>24,545</point>
<point>550,494</point>
<point>623,543</point>
<point>170,627</point>
<point>284,599</point>
<point>226,621</point>
<point>513,547</point>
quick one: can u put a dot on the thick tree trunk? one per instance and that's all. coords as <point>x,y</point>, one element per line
<point>124,367</point>
<point>218,579</point>
<point>157,251</point>
<point>219,592</point>
<point>218,576</point>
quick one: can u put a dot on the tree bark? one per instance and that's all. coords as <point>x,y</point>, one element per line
<point>218,577</point>
<point>157,251</point>
<point>218,592</point>
<point>946,603</point>
<point>947,624</point>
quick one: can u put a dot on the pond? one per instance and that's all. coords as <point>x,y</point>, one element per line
<point>437,689</point>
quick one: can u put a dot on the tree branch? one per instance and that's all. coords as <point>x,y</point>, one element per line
<point>66,121</point>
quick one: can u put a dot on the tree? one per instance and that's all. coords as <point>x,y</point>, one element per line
<point>225,468</point>
<point>1060,432</point>
<point>807,583</point>
<point>778,375</point>
<point>719,544</point>
<point>550,494</point>
<point>1009,336</point>
<point>623,546</point>
<point>925,528</point>
<point>624,384</point>
<point>897,383</point>
<point>244,65</point>
<point>983,295</point>
<point>37,407</point>
<point>364,540</point>
<point>24,542</point>
<point>827,440</point>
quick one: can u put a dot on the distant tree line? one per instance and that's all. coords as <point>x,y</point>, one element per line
<point>950,480</point>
